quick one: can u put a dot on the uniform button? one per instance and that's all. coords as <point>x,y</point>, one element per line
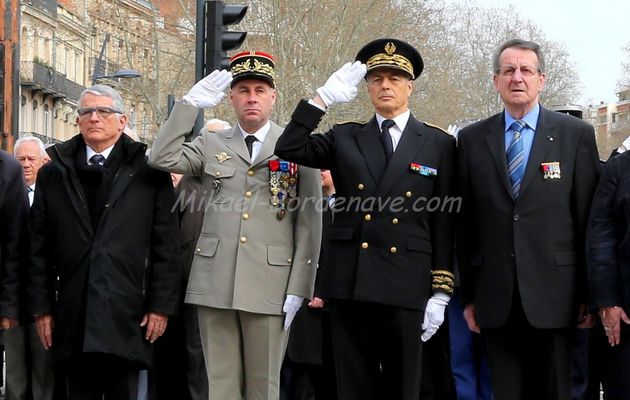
<point>408,194</point>
<point>360,186</point>
<point>516,217</point>
<point>289,260</point>
<point>395,221</point>
<point>248,194</point>
<point>218,173</point>
<point>393,250</point>
<point>367,217</point>
<point>250,173</point>
<point>198,249</point>
<point>512,255</point>
<point>364,245</point>
<point>245,216</point>
<point>243,239</point>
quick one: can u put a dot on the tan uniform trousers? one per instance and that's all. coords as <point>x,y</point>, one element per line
<point>243,353</point>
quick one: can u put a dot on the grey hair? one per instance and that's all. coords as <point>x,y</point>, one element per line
<point>102,90</point>
<point>519,44</point>
<point>40,144</point>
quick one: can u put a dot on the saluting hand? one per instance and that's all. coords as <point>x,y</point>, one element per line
<point>341,87</point>
<point>209,91</point>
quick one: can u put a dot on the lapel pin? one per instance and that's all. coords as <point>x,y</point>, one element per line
<point>222,157</point>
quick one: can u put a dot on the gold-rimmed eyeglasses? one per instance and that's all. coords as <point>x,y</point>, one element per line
<point>510,70</point>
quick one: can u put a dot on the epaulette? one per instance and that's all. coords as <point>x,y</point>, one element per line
<point>353,122</point>
<point>437,127</point>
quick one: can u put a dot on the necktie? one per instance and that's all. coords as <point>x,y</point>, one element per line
<point>97,159</point>
<point>516,157</point>
<point>31,194</point>
<point>386,138</point>
<point>249,141</point>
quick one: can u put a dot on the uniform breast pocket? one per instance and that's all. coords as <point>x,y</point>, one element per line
<point>217,175</point>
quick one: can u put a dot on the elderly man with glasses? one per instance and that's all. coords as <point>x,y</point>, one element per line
<point>103,254</point>
<point>527,177</point>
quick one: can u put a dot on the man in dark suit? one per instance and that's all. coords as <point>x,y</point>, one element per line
<point>13,212</point>
<point>388,278</point>
<point>103,255</point>
<point>527,181</point>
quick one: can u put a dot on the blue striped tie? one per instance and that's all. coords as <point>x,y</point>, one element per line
<point>516,157</point>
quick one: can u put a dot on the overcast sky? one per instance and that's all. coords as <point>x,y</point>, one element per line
<point>594,33</point>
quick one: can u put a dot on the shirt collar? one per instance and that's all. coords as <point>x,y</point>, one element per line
<point>531,118</point>
<point>260,134</point>
<point>400,120</point>
<point>89,152</point>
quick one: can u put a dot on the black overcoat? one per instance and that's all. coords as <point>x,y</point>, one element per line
<point>13,212</point>
<point>98,280</point>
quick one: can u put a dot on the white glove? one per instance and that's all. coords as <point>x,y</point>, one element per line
<point>434,315</point>
<point>209,91</point>
<point>291,306</point>
<point>625,146</point>
<point>341,87</point>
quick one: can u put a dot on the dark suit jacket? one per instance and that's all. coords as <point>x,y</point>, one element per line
<point>537,240</point>
<point>13,213</point>
<point>382,246</point>
<point>608,237</point>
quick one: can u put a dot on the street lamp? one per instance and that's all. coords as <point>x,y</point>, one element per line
<point>121,73</point>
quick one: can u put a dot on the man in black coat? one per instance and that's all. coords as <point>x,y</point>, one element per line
<point>389,276</point>
<point>527,181</point>
<point>104,251</point>
<point>13,212</point>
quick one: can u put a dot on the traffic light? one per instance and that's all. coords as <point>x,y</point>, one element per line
<point>218,40</point>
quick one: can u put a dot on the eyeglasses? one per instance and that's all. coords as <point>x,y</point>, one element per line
<point>526,70</point>
<point>102,112</point>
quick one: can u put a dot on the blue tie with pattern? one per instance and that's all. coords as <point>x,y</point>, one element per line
<point>516,157</point>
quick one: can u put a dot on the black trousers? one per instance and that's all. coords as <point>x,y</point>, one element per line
<point>529,363</point>
<point>616,377</point>
<point>94,376</point>
<point>377,351</point>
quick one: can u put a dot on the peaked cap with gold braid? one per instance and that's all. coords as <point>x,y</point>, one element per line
<point>252,65</point>
<point>391,53</point>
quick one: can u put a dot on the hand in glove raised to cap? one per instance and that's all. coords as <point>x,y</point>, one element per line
<point>209,91</point>
<point>291,306</point>
<point>341,87</point>
<point>434,315</point>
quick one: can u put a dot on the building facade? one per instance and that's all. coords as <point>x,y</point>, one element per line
<point>612,123</point>
<point>67,45</point>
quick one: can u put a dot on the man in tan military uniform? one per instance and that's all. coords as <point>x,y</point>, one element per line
<point>257,253</point>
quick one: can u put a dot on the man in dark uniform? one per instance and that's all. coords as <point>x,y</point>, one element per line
<point>388,279</point>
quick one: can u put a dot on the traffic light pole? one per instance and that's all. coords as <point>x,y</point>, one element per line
<point>213,41</point>
<point>199,58</point>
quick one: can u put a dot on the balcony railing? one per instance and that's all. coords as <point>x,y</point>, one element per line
<point>46,139</point>
<point>38,76</point>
